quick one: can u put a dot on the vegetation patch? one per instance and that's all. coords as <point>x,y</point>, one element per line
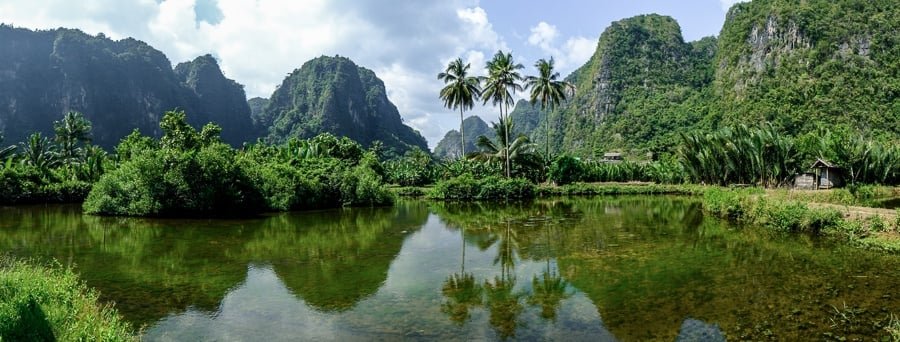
<point>750,206</point>
<point>466,187</point>
<point>47,303</point>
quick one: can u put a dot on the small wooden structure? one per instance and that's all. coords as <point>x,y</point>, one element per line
<point>805,181</point>
<point>612,157</point>
<point>828,175</point>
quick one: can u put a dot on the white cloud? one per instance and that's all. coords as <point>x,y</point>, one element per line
<point>569,55</point>
<point>726,4</point>
<point>259,42</point>
<point>543,35</point>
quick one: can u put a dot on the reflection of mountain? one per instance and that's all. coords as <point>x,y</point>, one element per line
<point>332,260</point>
<point>152,268</point>
<point>171,267</point>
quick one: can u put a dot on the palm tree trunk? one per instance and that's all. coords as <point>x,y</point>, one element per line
<point>548,136</point>
<point>506,133</point>
<point>463,267</point>
<point>462,135</point>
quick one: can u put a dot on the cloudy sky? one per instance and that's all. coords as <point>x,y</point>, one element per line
<point>405,42</point>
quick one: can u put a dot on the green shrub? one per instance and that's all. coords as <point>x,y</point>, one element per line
<point>897,220</point>
<point>877,224</point>
<point>466,187</point>
<point>566,170</point>
<point>457,188</point>
<point>50,303</point>
<point>170,182</point>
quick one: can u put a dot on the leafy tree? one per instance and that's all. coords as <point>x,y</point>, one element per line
<point>461,92</point>
<point>500,85</point>
<point>177,133</point>
<point>547,89</point>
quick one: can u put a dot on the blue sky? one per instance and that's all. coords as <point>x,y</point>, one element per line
<point>258,42</point>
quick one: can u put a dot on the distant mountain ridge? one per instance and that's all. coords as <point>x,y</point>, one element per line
<point>449,147</point>
<point>118,85</point>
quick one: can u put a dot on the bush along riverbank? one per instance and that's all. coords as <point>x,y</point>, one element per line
<point>191,173</point>
<point>50,303</point>
<point>871,228</point>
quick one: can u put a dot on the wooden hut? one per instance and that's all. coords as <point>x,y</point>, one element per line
<point>828,175</point>
<point>805,181</point>
<point>612,157</point>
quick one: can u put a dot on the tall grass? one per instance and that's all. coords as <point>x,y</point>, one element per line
<point>48,302</point>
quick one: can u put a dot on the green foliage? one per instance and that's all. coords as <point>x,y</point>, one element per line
<point>764,156</point>
<point>192,173</point>
<point>46,303</point>
<point>789,216</point>
<point>761,156</point>
<point>593,189</point>
<point>413,169</point>
<point>71,131</point>
<point>38,152</point>
<point>466,187</point>
<point>461,91</point>
<point>503,80</point>
<point>459,167</point>
<point>134,144</point>
<point>526,163</point>
<point>566,170</point>
<point>169,182</point>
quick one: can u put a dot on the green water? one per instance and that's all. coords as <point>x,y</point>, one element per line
<point>627,268</point>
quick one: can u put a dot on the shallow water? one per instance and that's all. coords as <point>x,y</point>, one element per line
<point>626,268</point>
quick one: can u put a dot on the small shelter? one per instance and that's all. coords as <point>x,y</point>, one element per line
<point>828,175</point>
<point>805,181</point>
<point>612,157</point>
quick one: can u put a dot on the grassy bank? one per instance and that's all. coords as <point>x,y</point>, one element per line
<point>48,303</point>
<point>866,227</point>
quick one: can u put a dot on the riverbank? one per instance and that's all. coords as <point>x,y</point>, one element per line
<point>841,213</point>
<point>49,303</point>
<point>798,212</point>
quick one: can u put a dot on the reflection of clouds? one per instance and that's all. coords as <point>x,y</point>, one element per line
<point>696,330</point>
<point>407,305</point>
<point>261,307</point>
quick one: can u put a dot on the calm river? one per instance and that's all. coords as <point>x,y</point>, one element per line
<point>624,268</point>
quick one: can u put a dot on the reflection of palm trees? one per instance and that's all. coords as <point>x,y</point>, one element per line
<point>503,303</point>
<point>461,290</point>
<point>549,290</point>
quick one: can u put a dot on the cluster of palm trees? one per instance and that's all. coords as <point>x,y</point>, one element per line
<point>70,148</point>
<point>739,155</point>
<point>499,87</point>
<point>766,157</point>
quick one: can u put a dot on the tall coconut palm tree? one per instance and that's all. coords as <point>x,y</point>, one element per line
<point>500,85</point>
<point>73,129</point>
<point>460,92</point>
<point>547,89</point>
